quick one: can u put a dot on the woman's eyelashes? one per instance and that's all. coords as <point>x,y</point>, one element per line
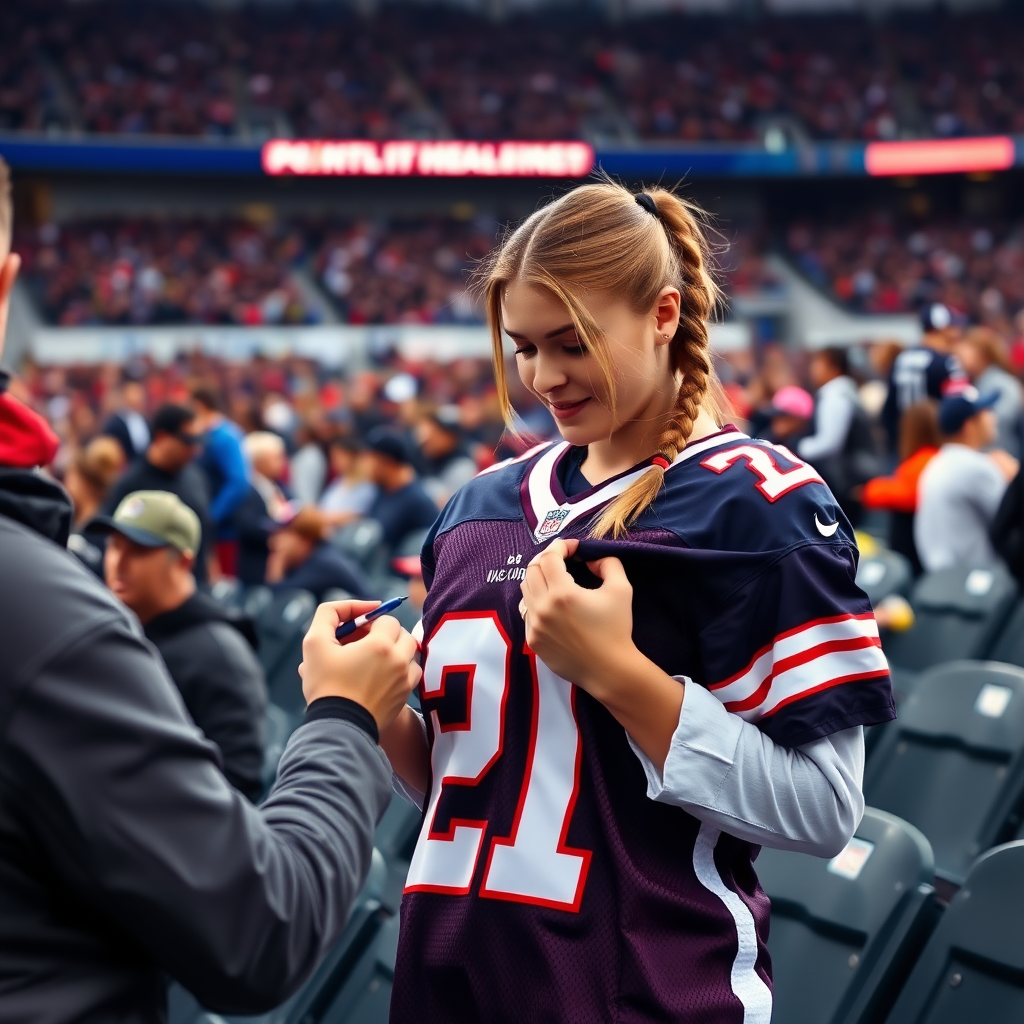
<point>569,350</point>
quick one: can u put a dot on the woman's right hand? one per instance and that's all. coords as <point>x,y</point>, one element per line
<point>375,666</point>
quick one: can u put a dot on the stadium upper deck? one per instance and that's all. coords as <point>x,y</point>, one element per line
<point>411,72</point>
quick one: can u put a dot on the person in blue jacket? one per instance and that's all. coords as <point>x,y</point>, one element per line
<point>227,470</point>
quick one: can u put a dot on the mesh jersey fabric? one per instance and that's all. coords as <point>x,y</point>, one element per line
<point>545,885</point>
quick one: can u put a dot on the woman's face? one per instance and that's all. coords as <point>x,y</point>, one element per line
<point>559,371</point>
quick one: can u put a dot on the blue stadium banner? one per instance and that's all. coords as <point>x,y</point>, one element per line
<point>461,158</point>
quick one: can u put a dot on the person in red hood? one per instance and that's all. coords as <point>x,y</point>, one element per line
<point>26,439</point>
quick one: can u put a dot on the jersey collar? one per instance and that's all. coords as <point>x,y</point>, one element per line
<point>548,510</point>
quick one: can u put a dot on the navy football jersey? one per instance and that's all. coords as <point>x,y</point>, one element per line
<point>546,885</point>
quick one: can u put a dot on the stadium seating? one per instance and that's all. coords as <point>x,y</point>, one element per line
<point>884,573</point>
<point>972,969</point>
<point>279,728</point>
<point>1009,645</point>
<point>228,593</point>
<point>953,763</point>
<point>958,614</point>
<point>844,932</point>
<point>281,626</point>
<point>362,541</point>
<point>306,1006</point>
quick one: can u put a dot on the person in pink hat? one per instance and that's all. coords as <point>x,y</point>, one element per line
<point>792,410</point>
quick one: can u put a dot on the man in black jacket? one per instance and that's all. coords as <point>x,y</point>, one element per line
<point>124,853</point>
<point>148,563</point>
<point>169,465</point>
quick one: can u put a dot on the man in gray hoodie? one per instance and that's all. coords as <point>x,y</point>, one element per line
<point>125,855</point>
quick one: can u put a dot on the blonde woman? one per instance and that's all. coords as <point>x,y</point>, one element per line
<point>645,656</point>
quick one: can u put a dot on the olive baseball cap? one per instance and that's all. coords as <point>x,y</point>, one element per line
<point>154,519</point>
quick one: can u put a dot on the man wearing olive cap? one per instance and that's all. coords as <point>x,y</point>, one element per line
<point>154,537</point>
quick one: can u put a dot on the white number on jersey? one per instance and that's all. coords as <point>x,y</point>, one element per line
<point>773,481</point>
<point>532,864</point>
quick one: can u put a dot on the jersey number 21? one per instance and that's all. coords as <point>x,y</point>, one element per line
<point>533,863</point>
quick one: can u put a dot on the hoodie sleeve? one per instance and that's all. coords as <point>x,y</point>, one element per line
<point>130,811</point>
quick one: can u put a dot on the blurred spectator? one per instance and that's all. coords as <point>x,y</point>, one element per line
<point>88,480</point>
<point>445,458</point>
<point>308,465</point>
<point>401,506</point>
<point>898,494</point>
<point>164,271</point>
<point>264,506</point>
<point>349,495</point>
<point>168,466</point>
<point>410,568</point>
<point>300,559</point>
<point>842,447</point>
<point>127,425</point>
<point>154,537</point>
<point>986,359</point>
<point>961,487</point>
<point>1008,528</point>
<point>790,416</point>
<point>90,476</point>
<point>928,370</point>
<point>227,473</point>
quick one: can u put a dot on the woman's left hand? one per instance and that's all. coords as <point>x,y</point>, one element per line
<point>582,635</point>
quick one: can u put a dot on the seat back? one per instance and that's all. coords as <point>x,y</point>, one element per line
<point>363,542</point>
<point>1009,645</point>
<point>958,614</point>
<point>883,573</point>
<point>972,969</point>
<point>228,593</point>
<point>281,626</point>
<point>843,931</point>
<point>952,763</point>
<point>279,725</point>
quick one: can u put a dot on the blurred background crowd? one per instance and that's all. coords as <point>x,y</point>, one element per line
<point>114,67</point>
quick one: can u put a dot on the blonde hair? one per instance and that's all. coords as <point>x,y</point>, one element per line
<point>99,463</point>
<point>598,238</point>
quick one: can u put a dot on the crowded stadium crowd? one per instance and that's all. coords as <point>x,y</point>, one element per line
<point>880,265</point>
<point>315,410</point>
<point>417,270</point>
<point>110,67</point>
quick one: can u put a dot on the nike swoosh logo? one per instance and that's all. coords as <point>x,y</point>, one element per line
<point>826,530</point>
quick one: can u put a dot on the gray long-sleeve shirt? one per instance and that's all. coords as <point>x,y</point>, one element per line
<point>124,853</point>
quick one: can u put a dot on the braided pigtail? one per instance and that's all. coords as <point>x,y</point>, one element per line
<point>689,352</point>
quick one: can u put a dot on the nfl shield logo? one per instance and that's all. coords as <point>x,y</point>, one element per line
<point>552,524</point>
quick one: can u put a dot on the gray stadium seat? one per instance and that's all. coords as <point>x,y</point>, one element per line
<point>308,1004</point>
<point>280,726</point>
<point>953,763</point>
<point>972,970</point>
<point>411,544</point>
<point>281,626</point>
<point>228,593</point>
<point>884,573</point>
<point>396,838</point>
<point>844,932</point>
<point>363,542</point>
<point>337,594</point>
<point>1009,645</point>
<point>365,997</point>
<point>255,601</point>
<point>959,613</point>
